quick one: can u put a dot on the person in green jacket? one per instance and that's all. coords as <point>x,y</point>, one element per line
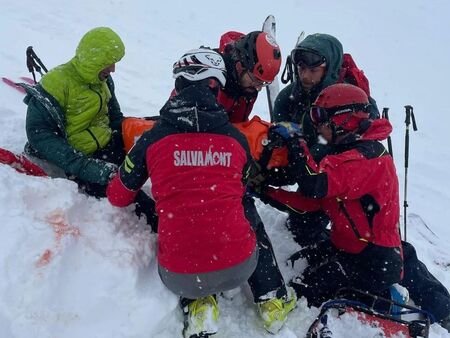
<point>74,119</point>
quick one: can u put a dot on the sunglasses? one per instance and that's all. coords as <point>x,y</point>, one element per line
<point>321,115</point>
<point>257,81</point>
<point>307,58</point>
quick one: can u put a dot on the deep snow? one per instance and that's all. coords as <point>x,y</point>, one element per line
<point>74,266</point>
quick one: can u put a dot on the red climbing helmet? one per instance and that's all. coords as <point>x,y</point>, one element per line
<point>260,54</point>
<point>343,104</point>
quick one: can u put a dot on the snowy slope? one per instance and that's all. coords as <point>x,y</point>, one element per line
<point>72,266</point>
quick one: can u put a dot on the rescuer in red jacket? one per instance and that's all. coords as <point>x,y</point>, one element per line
<point>198,163</point>
<point>357,187</point>
<point>252,61</point>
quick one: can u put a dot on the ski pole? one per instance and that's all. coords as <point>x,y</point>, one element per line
<point>34,63</point>
<point>409,116</point>
<point>385,115</point>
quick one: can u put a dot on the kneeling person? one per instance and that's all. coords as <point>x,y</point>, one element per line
<point>197,162</point>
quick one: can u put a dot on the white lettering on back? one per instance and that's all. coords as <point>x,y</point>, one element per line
<point>201,158</point>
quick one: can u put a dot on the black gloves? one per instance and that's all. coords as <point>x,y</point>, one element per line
<point>315,254</point>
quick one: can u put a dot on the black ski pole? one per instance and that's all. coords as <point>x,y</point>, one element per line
<point>385,115</point>
<point>34,63</point>
<point>409,117</point>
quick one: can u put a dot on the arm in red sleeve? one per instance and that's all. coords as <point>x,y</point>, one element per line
<point>291,200</point>
<point>118,194</point>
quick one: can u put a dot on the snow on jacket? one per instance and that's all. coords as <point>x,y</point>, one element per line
<point>47,136</point>
<point>81,95</point>
<point>357,187</point>
<point>71,113</point>
<point>197,162</point>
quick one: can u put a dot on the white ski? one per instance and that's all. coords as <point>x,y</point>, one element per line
<point>269,26</point>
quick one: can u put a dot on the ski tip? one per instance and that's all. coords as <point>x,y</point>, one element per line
<point>27,79</point>
<point>12,84</point>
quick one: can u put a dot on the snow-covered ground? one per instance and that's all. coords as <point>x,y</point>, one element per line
<point>72,266</point>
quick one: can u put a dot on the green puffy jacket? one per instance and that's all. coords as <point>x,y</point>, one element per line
<point>72,113</point>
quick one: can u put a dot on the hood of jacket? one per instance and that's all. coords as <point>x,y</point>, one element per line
<point>194,109</point>
<point>329,47</point>
<point>98,49</point>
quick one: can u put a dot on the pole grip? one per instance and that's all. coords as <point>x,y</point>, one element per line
<point>385,115</point>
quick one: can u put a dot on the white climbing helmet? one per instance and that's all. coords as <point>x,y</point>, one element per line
<point>200,64</point>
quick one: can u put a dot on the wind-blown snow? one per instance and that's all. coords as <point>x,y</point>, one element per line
<point>72,266</point>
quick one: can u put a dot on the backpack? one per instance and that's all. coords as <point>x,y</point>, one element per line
<point>228,39</point>
<point>350,73</point>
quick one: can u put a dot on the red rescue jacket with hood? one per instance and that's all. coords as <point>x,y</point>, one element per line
<point>357,187</point>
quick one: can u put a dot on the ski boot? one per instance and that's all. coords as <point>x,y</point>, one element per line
<point>201,317</point>
<point>275,310</point>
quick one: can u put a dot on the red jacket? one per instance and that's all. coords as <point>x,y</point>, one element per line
<point>196,160</point>
<point>237,104</point>
<point>238,108</point>
<point>358,190</point>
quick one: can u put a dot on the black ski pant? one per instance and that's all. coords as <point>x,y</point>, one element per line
<point>424,289</point>
<point>308,228</point>
<point>373,270</point>
<point>267,280</point>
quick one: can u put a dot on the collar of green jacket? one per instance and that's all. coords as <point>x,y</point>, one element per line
<point>98,49</point>
<point>330,48</point>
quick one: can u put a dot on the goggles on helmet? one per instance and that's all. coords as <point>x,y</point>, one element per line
<point>307,58</point>
<point>321,115</point>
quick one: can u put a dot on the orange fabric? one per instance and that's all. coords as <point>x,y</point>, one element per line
<point>255,130</point>
<point>133,128</point>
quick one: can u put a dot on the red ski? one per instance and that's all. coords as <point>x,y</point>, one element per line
<point>20,163</point>
<point>28,80</point>
<point>14,84</point>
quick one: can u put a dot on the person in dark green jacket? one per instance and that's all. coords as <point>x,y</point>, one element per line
<point>317,62</point>
<point>74,119</point>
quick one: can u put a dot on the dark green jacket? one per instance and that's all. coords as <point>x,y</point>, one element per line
<point>293,103</point>
<point>46,132</point>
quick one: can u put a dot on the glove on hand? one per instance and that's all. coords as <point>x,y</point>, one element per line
<point>98,171</point>
<point>287,129</point>
<point>255,177</point>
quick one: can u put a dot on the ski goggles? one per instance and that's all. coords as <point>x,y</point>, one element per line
<point>307,58</point>
<point>321,115</point>
<point>257,82</point>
